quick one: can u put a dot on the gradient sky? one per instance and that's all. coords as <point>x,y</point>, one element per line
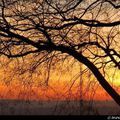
<point>63,84</point>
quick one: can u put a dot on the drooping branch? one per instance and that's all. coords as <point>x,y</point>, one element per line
<point>103,82</point>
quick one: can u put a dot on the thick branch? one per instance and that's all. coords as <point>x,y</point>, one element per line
<point>94,70</point>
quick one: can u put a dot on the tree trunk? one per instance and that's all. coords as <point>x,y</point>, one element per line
<point>99,77</point>
<point>94,70</point>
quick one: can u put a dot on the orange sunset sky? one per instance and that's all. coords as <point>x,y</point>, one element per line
<point>64,84</point>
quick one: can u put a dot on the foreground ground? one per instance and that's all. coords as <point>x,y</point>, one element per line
<point>18,107</point>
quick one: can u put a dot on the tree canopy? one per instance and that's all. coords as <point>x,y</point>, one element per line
<point>86,30</point>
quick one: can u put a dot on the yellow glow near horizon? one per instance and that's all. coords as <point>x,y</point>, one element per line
<point>116,79</point>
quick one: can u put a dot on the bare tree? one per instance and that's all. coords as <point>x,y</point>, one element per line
<point>86,30</point>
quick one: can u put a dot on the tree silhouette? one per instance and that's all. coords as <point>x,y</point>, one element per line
<point>85,30</point>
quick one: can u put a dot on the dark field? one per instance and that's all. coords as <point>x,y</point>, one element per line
<point>19,107</point>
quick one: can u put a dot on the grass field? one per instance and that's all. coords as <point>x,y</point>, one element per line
<point>19,107</point>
